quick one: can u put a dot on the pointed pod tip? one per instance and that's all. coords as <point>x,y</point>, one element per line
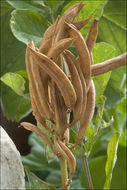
<point>31,45</point>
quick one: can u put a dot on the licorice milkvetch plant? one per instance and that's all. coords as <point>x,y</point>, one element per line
<point>61,84</point>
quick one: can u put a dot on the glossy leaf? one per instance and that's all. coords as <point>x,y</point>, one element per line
<point>15,81</point>
<point>37,183</point>
<point>34,5</point>
<point>111,160</point>
<point>28,25</point>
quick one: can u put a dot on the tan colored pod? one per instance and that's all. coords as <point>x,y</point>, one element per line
<point>92,35</point>
<point>57,75</point>
<point>77,86</point>
<point>83,53</point>
<point>86,119</point>
<point>39,132</point>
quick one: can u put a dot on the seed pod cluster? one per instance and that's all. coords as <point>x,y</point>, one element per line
<point>53,94</point>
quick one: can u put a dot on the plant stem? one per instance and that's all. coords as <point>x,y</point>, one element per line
<point>87,171</point>
<point>64,175</point>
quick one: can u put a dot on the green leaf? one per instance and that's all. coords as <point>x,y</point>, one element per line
<point>102,52</point>
<point>111,160</point>
<point>37,183</point>
<point>36,160</point>
<point>12,60</point>
<point>15,107</point>
<point>112,29</point>
<point>4,7</point>
<point>54,5</point>
<point>91,8</point>
<point>28,25</point>
<point>15,81</point>
<point>48,151</point>
<point>25,76</point>
<point>37,6</point>
<point>96,166</point>
<point>12,51</point>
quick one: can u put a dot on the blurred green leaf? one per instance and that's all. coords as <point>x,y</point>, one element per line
<point>16,82</point>
<point>36,160</point>
<point>28,25</point>
<point>34,5</point>
<point>54,5</point>
<point>15,107</point>
<point>111,159</point>
<point>37,183</point>
<point>102,52</point>
<point>97,170</point>
<point>48,152</point>
<point>12,60</point>
<point>4,7</point>
<point>96,166</point>
<point>112,29</point>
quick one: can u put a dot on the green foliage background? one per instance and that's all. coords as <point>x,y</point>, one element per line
<point>22,21</point>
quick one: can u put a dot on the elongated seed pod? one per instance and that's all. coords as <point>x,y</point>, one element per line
<point>38,116</point>
<point>35,129</point>
<point>46,46</point>
<point>77,86</point>
<point>58,48</point>
<point>92,35</point>
<point>68,16</point>
<point>80,24</point>
<point>60,112</point>
<point>76,63</point>
<point>57,75</point>
<point>40,90</point>
<point>87,115</point>
<point>70,158</point>
<point>109,65</point>
<point>32,87</point>
<point>49,33</point>
<point>82,50</point>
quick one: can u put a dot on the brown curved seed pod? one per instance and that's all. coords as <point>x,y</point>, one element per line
<point>32,85</point>
<point>92,35</point>
<point>57,75</point>
<point>66,153</point>
<point>44,137</point>
<point>76,63</point>
<point>60,112</point>
<point>109,65</point>
<point>46,46</point>
<point>80,24</point>
<point>40,90</point>
<point>82,50</point>
<point>38,116</point>
<point>68,16</point>
<point>87,115</point>
<point>58,48</point>
<point>72,160</point>
<point>77,86</point>
<point>49,33</point>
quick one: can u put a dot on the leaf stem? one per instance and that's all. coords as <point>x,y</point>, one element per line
<point>64,174</point>
<point>87,172</point>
